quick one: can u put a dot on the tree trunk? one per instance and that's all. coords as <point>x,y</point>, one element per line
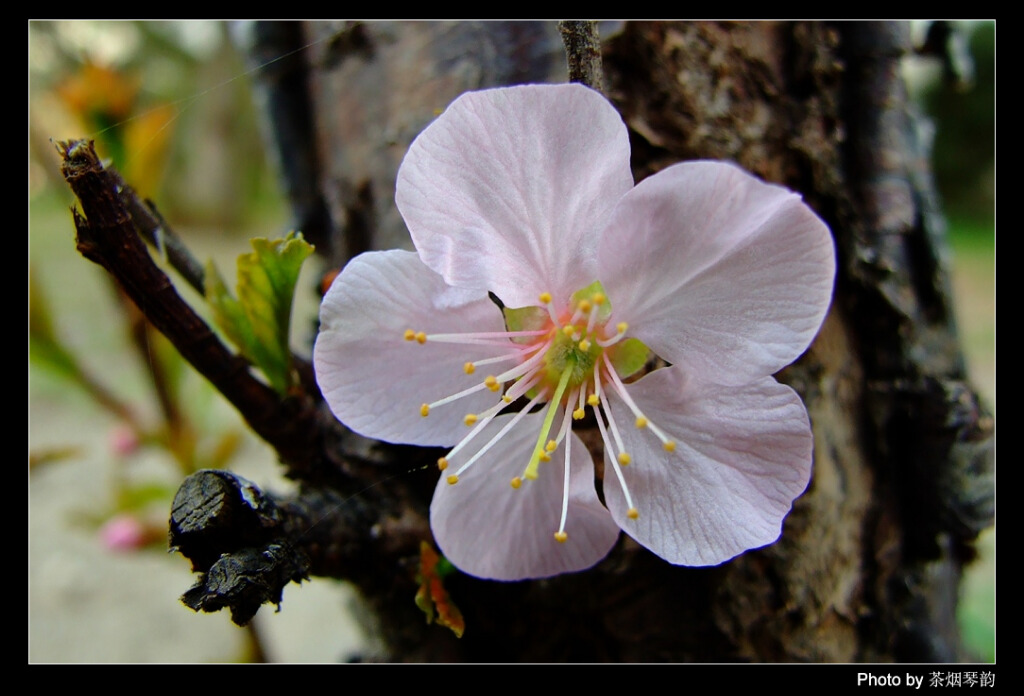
<point>869,562</point>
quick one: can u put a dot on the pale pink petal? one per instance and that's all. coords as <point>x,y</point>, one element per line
<point>718,271</point>
<point>373,379</point>
<point>488,529</point>
<point>742,456</point>
<point>507,189</point>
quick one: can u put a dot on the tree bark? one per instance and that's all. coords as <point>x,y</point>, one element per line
<point>869,562</point>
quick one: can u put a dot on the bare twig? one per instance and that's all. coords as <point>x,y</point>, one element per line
<point>583,53</point>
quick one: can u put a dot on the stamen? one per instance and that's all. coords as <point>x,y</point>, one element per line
<point>624,459</point>
<point>470,419</point>
<point>614,461</point>
<point>632,513</point>
<point>501,433</point>
<point>584,345</point>
<point>565,431</point>
<point>442,464</point>
<point>502,358</point>
<point>484,338</point>
<point>581,400</point>
<point>421,337</point>
<point>410,335</point>
<point>492,383</point>
<point>618,438</point>
<point>598,300</point>
<point>516,482</point>
<point>621,328</point>
<point>425,408</point>
<point>620,388</point>
<point>453,479</point>
<point>545,299</point>
<point>469,368</point>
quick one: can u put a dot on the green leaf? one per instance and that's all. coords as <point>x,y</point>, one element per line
<point>258,320</point>
<point>45,347</point>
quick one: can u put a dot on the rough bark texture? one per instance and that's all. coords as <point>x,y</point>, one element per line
<point>869,562</point>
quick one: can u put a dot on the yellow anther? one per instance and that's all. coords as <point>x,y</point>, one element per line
<point>584,345</point>
<point>421,337</point>
<point>544,457</point>
<point>453,479</point>
<point>632,513</point>
<point>545,297</point>
<point>669,446</point>
<point>598,298</point>
<point>551,446</point>
<point>621,327</point>
<point>442,464</point>
<point>584,306</point>
<point>578,414</point>
<point>469,368</point>
<point>410,335</point>
<point>568,329</point>
<point>506,398</point>
<point>425,410</point>
<point>592,400</point>
<point>492,383</point>
<point>561,537</point>
<point>470,419</point>
<point>641,422</point>
<point>516,482</point>
<point>624,459</point>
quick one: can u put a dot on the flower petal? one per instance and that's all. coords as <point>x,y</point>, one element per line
<point>742,456</point>
<point>718,271</point>
<point>506,189</point>
<point>488,529</point>
<point>373,379</point>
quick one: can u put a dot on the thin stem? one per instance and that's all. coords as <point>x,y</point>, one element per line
<point>583,53</point>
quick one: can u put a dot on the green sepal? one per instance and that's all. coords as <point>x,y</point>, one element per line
<point>525,319</point>
<point>258,321</point>
<point>628,357</point>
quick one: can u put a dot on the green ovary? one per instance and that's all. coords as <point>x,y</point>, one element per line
<point>566,353</point>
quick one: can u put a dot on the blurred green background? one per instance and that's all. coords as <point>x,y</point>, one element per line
<point>170,104</point>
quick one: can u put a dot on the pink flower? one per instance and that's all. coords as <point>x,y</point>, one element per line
<point>526,193</point>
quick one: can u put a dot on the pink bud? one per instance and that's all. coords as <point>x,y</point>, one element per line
<point>123,532</point>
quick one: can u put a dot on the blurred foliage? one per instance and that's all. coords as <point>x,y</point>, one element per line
<point>167,102</point>
<point>964,148</point>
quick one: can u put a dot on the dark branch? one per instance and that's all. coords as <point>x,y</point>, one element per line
<point>155,230</point>
<point>106,235</point>
<point>583,53</point>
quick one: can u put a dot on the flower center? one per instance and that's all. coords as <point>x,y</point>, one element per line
<point>564,360</point>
